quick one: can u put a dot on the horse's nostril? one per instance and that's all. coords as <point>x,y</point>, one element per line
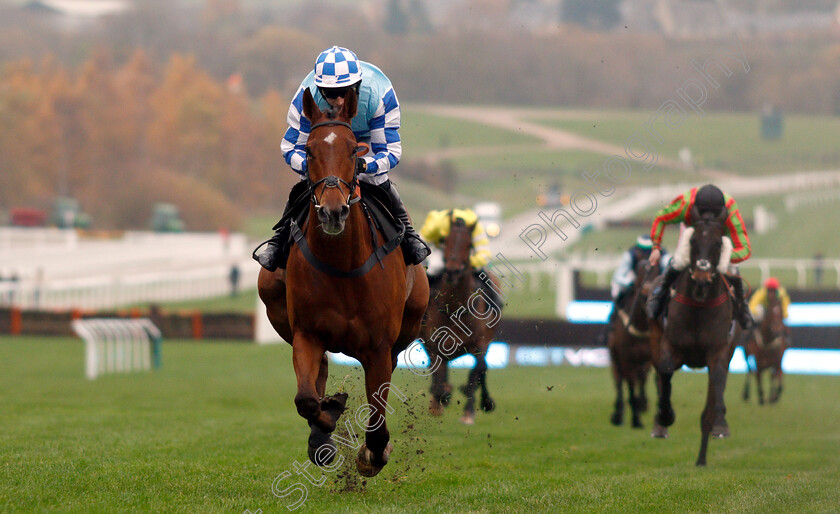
<point>345,210</point>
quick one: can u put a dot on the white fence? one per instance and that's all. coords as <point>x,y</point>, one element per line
<point>560,273</point>
<point>55,269</point>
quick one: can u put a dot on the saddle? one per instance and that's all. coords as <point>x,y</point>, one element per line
<point>376,204</point>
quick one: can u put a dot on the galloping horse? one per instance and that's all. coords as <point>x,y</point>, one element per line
<point>767,343</point>
<point>334,296</point>
<point>458,290</point>
<point>629,346</point>
<point>697,331</point>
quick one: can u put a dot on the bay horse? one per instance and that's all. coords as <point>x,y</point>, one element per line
<point>330,297</point>
<point>452,329</point>
<point>629,347</point>
<point>697,331</point>
<point>767,344</point>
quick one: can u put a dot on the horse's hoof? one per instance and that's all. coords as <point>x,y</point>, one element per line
<point>720,431</point>
<point>666,419</point>
<point>488,405</point>
<point>324,454</point>
<point>445,398</point>
<point>637,424</point>
<point>467,419</point>
<point>435,408</point>
<point>617,419</point>
<point>335,404</point>
<point>659,432</point>
<point>364,461</point>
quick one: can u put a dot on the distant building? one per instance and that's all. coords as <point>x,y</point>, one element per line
<point>74,15</point>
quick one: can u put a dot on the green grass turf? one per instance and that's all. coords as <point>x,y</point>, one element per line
<point>211,430</point>
<point>422,132</point>
<point>729,141</point>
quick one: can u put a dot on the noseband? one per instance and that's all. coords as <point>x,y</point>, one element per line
<point>332,181</point>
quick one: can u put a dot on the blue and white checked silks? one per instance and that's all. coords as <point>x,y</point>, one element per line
<point>337,67</point>
<point>377,123</point>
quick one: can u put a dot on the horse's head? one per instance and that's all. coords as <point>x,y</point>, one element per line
<point>645,274</point>
<point>331,152</point>
<point>456,250</point>
<point>773,323</point>
<point>706,247</point>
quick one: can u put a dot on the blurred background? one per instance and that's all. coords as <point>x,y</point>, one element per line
<point>166,116</point>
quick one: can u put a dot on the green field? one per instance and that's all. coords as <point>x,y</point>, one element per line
<point>725,141</point>
<point>211,430</point>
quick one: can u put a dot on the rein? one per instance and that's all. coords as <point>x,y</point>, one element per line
<point>691,302</point>
<point>331,182</point>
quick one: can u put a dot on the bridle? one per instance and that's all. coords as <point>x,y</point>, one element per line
<point>458,272</point>
<point>332,181</point>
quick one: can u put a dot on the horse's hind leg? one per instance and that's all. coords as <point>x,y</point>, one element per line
<point>759,386</point>
<point>776,384</point>
<point>487,403</point>
<point>440,390</point>
<point>633,389</point>
<point>374,454</point>
<point>321,413</point>
<point>746,394</point>
<point>642,381</point>
<point>664,412</point>
<point>617,417</point>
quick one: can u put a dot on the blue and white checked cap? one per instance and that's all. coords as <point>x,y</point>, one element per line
<point>337,67</point>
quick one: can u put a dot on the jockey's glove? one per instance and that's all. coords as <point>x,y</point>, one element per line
<point>361,166</point>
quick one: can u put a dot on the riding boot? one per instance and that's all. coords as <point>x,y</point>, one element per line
<point>660,295</point>
<point>741,307</point>
<point>277,247</point>
<point>414,249</point>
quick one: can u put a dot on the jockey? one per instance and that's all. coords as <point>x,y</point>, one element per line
<point>625,276</point>
<point>759,300</point>
<point>377,122</point>
<point>435,230</point>
<point>736,247</point>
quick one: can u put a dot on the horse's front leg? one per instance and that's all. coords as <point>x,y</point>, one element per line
<point>441,390</point>
<point>665,363</point>
<point>713,420</point>
<point>271,287</point>
<point>473,381</point>
<point>718,373</point>
<point>374,454</point>
<point>617,417</point>
<point>321,413</point>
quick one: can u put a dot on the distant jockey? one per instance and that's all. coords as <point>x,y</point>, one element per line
<point>736,247</point>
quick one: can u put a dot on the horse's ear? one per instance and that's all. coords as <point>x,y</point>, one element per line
<point>310,108</point>
<point>694,214</point>
<point>350,105</point>
<point>722,215</point>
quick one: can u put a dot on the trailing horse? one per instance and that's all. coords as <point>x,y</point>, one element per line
<point>629,346</point>
<point>767,344</point>
<point>460,320</point>
<point>341,292</point>
<point>697,331</point>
